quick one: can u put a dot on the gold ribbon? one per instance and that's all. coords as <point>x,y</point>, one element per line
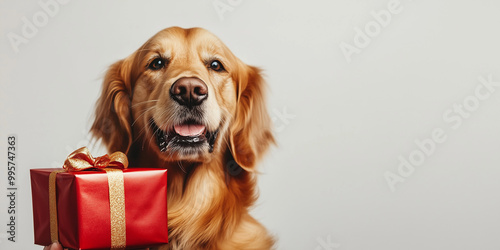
<point>80,160</point>
<point>117,208</point>
<point>54,236</point>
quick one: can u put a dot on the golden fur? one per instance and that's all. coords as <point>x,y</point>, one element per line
<point>209,194</point>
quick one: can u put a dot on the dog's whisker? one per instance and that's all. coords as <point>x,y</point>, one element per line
<point>144,112</point>
<point>143,130</point>
<point>144,102</point>
<point>153,135</point>
<point>144,137</point>
<point>180,166</point>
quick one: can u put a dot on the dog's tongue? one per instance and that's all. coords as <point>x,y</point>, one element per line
<point>189,129</point>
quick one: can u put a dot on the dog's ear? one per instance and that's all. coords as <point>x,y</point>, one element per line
<point>112,122</point>
<point>250,131</point>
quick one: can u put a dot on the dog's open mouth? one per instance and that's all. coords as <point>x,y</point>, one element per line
<point>188,135</point>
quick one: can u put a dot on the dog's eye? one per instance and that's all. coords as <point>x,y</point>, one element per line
<point>216,66</point>
<point>157,64</point>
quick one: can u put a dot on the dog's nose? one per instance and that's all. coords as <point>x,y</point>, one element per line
<point>189,91</point>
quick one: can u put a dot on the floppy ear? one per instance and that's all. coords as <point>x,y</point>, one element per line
<point>250,132</point>
<point>112,114</point>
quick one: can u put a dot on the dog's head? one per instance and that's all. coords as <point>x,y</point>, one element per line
<point>184,95</point>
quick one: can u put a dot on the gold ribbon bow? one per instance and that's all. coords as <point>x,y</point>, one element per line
<point>80,160</point>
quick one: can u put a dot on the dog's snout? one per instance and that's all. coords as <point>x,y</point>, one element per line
<point>189,91</point>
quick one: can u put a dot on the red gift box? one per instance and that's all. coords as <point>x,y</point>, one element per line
<point>84,217</point>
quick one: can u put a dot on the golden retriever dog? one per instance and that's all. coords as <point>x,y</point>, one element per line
<point>184,102</point>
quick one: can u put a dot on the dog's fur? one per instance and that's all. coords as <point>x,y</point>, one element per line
<point>209,193</point>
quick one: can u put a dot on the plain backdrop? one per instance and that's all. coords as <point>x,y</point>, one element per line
<point>342,126</point>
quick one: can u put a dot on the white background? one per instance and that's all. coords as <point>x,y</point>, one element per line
<point>323,187</point>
